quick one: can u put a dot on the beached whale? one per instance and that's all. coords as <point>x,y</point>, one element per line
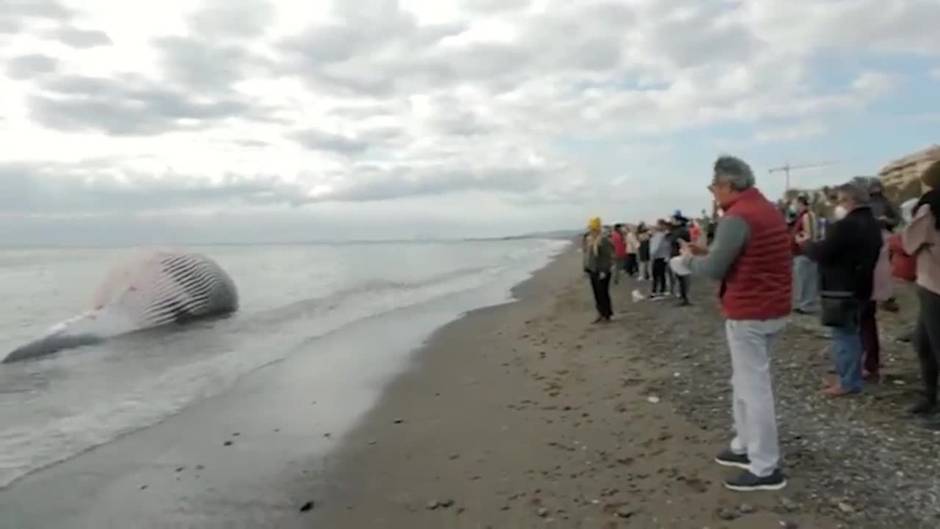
<point>151,290</point>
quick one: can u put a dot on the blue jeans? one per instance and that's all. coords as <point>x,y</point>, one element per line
<point>805,284</point>
<point>847,350</point>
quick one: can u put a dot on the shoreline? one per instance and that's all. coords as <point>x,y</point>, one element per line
<point>515,415</point>
<point>145,476</point>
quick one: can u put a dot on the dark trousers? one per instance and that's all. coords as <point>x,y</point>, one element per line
<point>601,288</point>
<point>927,340</point>
<point>868,332</point>
<point>630,265</point>
<point>659,276</point>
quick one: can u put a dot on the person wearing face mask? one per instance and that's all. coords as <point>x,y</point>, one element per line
<point>805,271</point>
<point>921,240</point>
<point>751,257</point>
<point>847,257</point>
<point>599,261</point>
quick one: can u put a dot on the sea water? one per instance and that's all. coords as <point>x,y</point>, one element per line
<point>54,408</point>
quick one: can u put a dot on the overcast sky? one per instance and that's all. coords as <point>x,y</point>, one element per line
<point>246,120</point>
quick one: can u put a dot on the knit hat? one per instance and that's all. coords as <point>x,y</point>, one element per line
<point>931,176</point>
<point>594,224</point>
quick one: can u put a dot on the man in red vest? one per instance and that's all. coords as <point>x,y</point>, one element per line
<point>751,257</point>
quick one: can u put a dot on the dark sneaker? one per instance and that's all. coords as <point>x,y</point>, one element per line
<point>924,407</point>
<point>730,459</point>
<point>748,482</point>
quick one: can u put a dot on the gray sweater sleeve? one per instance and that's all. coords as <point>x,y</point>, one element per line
<point>730,238</point>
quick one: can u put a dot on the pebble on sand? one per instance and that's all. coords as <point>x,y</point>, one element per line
<point>727,514</point>
<point>307,507</point>
<point>398,421</point>
<point>227,443</point>
<point>652,399</point>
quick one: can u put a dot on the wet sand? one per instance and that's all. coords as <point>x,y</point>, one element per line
<point>528,416</point>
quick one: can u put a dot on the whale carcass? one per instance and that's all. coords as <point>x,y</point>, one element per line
<point>150,290</point>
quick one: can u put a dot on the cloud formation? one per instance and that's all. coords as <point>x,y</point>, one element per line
<point>544,107</point>
<point>81,38</point>
<point>29,66</point>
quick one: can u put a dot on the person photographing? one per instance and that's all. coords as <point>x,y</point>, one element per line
<point>751,257</point>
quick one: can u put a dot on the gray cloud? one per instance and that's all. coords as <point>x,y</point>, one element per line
<point>377,183</point>
<point>45,9</point>
<point>9,25</point>
<point>16,14</point>
<point>351,55</point>
<point>199,64</point>
<point>494,6</point>
<point>216,54</point>
<point>36,189</point>
<point>29,66</point>
<point>128,105</point>
<point>701,37</point>
<point>319,140</point>
<point>233,18</point>
<point>81,38</point>
<point>347,144</point>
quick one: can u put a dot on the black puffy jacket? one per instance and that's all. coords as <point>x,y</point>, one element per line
<point>849,253</point>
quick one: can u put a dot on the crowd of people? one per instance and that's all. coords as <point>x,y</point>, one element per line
<point>639,252</point>
<point>772,262</point>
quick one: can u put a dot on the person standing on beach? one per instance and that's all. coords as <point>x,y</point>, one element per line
<point>678,236</point>
<point>633,247</point>
<point>805,271</point>
<point>643,255</point>
<point>921,240</point>
<point>751,257</point>
<point>659,248</point>
<point>847,256</point>
<point>598,264</point>
<point>620,251</point>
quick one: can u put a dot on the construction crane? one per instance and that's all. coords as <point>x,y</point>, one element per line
<point>787,168</point>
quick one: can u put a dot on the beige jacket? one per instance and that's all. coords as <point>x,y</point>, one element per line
<point>922,240</point>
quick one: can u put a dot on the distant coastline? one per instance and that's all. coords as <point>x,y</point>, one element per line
<point>554,235</point>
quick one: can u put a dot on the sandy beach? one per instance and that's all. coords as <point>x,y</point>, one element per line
<point>521,415</point>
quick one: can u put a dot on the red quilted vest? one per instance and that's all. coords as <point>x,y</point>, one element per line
<point>759,285</point>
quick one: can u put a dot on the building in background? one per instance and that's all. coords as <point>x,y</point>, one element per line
<point>902,176</point>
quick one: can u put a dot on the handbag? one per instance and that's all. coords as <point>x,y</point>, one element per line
<point>903,266</point>
<point>839,308</point>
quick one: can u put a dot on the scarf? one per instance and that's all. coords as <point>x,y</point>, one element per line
<point>930,199</point>
<point>594,241</point>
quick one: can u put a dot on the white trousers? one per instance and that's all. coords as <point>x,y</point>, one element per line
<point>755,420</point>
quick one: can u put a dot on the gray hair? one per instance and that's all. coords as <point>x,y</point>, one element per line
<point>857,189</point>
<point>734,171</point>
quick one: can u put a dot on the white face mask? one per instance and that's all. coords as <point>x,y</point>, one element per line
<point>841,212</point>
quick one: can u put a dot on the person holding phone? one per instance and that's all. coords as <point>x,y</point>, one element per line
<point>750,256</point>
